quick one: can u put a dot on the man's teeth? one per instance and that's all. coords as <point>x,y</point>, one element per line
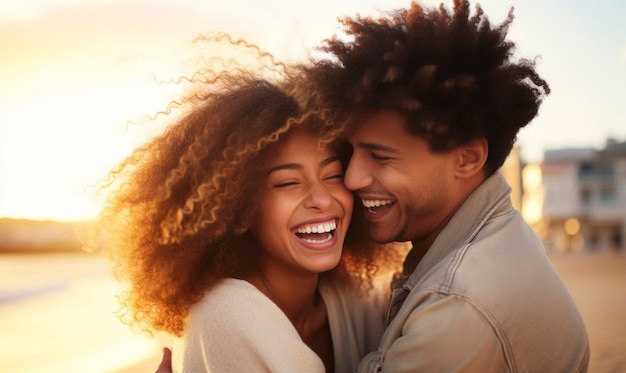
<point>369,203</point>
<point>318,228</point>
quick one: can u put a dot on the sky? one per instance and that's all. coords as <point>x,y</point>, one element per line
<point>72,72</point>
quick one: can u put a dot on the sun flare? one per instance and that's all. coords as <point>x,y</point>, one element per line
<point>64,140</point>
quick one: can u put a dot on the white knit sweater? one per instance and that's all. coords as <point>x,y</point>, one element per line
<point>236,328</point>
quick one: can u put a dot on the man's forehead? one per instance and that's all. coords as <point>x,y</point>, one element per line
<point>372,121</point>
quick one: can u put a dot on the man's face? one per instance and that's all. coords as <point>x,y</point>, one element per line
<point>403,187</point>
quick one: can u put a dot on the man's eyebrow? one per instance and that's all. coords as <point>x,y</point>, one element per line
<point>378,147</point>
<point>298,166</point>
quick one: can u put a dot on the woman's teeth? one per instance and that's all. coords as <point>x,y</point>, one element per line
<point>318,228</point>
<point>310,240</point>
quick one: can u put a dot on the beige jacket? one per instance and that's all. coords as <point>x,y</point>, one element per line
<point>485,298</point>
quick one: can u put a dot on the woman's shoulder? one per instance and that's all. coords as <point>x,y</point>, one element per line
<point>234,305</point>
<point>236,327</point>
<point>229,287</point>
<point>228,296</point>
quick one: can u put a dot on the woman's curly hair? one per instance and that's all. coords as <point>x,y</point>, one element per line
<point>450,73</point>
<point>176,211</point>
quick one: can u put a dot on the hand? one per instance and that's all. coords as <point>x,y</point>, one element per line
<point>166,362</point>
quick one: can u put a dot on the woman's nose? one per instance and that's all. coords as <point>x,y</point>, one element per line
<point>318,197</point>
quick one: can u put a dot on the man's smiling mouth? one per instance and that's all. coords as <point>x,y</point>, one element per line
<point>373,205</point>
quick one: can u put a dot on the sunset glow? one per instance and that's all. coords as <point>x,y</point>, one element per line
<point>68,140</point>
<point>79,80</point>
<point>74,72</point>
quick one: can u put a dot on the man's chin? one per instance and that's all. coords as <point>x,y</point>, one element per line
<point>381,235</point>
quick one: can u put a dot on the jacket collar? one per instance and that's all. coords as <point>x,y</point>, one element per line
<point>490,199</point>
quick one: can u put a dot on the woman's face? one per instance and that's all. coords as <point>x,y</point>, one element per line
<point>303,208</point>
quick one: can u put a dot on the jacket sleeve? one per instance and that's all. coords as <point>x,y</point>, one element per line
<point>446,334</point>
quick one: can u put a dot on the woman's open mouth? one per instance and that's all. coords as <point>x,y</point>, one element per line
<point>317,233</point>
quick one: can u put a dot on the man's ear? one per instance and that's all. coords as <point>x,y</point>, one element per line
<point>471,158</point>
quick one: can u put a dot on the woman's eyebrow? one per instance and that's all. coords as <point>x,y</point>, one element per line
<point>286,166</point>
<point>298,166</point>
<point>328,161</point>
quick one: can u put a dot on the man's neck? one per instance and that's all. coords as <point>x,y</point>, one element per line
<point>420,246</point>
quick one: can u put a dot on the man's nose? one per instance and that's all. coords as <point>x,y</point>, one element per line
<point>357,176</point>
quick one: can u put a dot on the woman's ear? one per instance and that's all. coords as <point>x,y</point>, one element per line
<point>471,158</point>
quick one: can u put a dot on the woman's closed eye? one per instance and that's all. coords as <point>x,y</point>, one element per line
<point>338,176</point>
<point>285,184</point>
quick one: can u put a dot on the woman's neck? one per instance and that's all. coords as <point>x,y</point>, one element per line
<point>299,299</point>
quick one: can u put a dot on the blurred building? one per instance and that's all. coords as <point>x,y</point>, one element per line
<point>511,170</point>
<point>584,198</point>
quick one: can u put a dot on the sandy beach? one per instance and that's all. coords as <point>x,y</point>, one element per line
<point>597,282</point>
<point>57,314</point>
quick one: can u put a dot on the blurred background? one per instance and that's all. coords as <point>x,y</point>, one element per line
<point>75,73</point>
